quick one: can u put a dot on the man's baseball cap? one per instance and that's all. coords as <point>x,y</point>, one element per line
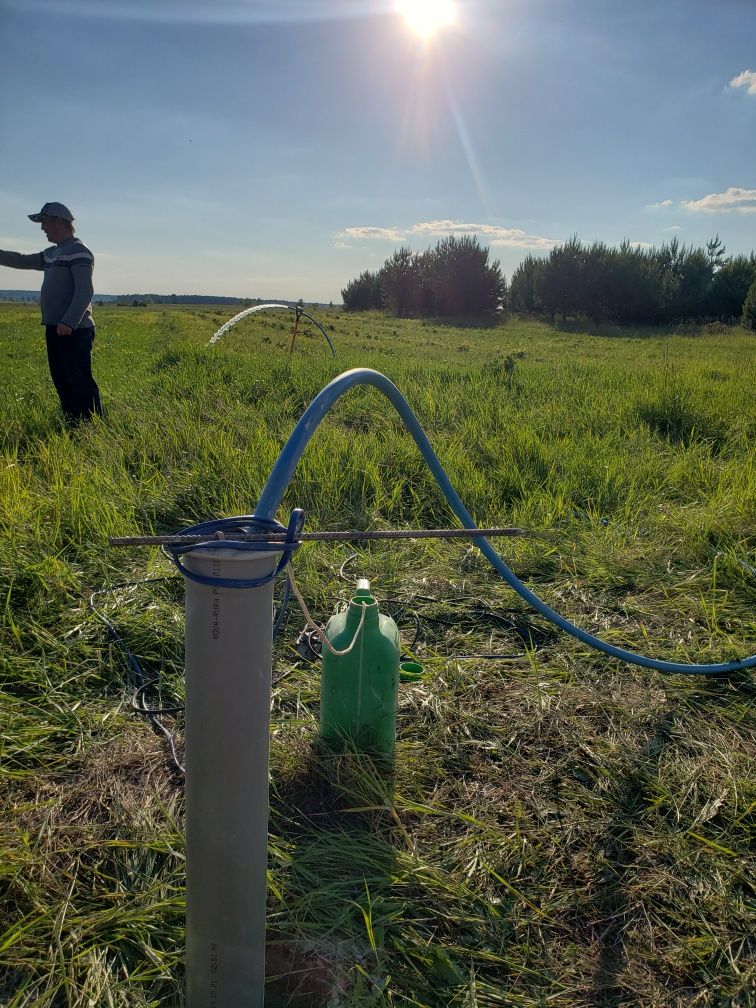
<point>52,210</point>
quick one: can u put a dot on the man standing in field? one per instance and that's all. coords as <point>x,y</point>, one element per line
<point>66,303</point>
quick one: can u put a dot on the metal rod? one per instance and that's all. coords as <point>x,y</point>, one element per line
<point>187,540</point>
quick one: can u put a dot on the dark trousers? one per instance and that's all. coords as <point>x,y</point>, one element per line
<point>70,360</point>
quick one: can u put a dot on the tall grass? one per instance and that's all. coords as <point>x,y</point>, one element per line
<point>561,829</point>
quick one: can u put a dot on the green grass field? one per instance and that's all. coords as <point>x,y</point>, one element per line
<point>563,829</point>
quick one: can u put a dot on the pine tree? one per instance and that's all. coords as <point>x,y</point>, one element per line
<point>749,308</point>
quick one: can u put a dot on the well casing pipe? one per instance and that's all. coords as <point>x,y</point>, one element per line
<point>228,684</point>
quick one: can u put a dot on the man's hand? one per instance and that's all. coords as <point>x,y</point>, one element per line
<point>64,330</point>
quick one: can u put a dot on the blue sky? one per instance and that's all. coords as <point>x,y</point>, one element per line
<point>276,148</point>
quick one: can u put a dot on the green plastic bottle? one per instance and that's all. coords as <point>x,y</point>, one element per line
<point>358,690</point>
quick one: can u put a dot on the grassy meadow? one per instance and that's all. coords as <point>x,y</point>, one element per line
<point>562,829</point>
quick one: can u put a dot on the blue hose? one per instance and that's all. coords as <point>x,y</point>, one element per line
<point>284,468</point>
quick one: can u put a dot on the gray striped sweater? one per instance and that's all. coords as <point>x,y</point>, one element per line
<point>66,294</point>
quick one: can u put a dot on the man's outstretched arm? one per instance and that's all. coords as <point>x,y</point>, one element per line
<point>17,260</point>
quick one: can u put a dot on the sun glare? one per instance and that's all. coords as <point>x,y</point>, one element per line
<point>426,17</point>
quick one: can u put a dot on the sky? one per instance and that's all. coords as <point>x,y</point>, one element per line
<point>278,148</point>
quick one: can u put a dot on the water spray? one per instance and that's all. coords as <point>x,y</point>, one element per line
<point>300,313</point>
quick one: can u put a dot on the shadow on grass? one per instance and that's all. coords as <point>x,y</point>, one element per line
<point>465,322</point>
<point>331,817</point>
<point>677,421</point>
<point>24,436</point>
<point>615,330</point>
<point>612,903</point>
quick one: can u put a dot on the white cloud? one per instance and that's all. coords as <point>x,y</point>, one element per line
<point>747,79</point>
<point>452,227</point>
<point>496,235</point>
<point>675,227</point>
<point>661,203</point>
<point>734,200</point>
<point>641,245</point>
<point>378,233</point>
<point>340,244</point>
<point>492,233</point>
<point>526,241</point>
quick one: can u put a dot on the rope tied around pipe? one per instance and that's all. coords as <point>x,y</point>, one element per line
<point>245,525</point>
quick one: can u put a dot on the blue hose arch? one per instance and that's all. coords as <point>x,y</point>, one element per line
<point>284,468</point>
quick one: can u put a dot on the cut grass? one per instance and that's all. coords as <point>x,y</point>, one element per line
<point>560,829</point>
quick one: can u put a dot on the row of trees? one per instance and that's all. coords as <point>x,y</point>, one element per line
<point>621,284</point>
<point>453,279</point>
<point>143,300</point>
<point>632,284</point>
<point>749,308</point>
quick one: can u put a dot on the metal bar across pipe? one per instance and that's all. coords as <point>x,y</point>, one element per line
<point>188,540</point>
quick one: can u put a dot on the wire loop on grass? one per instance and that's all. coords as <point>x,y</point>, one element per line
<point>140,682</point>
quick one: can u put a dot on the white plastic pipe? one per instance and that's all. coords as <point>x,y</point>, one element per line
<point>228,675</point>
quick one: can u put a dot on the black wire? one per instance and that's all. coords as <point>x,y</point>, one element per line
<point>280,619</point>
<point>532,634</point>
<point>140,681</point>
<point>141,709</point>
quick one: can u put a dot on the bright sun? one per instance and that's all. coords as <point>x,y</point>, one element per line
<point>425,17</point>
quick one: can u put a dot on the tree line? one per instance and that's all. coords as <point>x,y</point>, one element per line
<point>453,279</point>
<point>628,283</point>
<point>625,283</point>
<point>144,300</point>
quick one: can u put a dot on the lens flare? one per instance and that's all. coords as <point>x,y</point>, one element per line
<point>426,17</point>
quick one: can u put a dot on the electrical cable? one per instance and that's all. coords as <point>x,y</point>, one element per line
<point>533,636</point>
<point>139,680</point>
